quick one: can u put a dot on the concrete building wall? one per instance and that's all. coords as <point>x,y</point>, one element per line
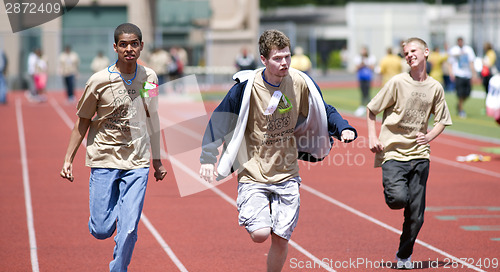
<point>234,25</point>
<point>50,36</point>
<point>384,25</point>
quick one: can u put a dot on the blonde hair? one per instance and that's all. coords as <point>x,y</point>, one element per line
<point>416,40</point>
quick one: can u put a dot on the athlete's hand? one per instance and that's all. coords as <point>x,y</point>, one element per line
<point>67,171</point>
<point>347,136</point>
<point>422,139</point>
<point>375,145</point>
<point>160,171</point>
<point>207,172</point>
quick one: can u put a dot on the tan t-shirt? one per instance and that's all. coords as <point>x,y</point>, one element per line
<point>68,63</point>
<point>269,139</point>
<point>407,106</point>
<point>118,136</point>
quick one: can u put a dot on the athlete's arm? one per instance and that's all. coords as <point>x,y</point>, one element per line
<point>77,134</point>
<point>423,139</point>
<point>373,142</point>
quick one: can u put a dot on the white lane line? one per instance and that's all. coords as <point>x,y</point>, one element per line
<point>454,143</point>
<point>65,118</point>
<point>385,226</point>
<point>61,113</point>
<point>26,185</point>
<point>465,166</point>
<point>231,201</point>
<point>163,244</point>
<point>144,219</point>
<point>171,125</point>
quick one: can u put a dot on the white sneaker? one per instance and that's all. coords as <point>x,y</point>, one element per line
<point>462,114</point>
<point>404,263</point>
<point>360,111</point>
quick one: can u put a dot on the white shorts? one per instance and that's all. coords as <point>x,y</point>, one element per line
<point>274,206</point>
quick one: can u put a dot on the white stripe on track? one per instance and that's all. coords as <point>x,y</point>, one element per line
<point>65,118</point>
<point>144,219</point>
<point>26,185</point>
<point>385,226</point>
<point>70,123</point>
<point>163,244</point>
<point>466,166</point>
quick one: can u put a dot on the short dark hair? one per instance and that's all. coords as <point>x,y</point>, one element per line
<point>271,39</point>
<point>129,29</point>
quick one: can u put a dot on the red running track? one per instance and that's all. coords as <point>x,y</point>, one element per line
<point>344,223</point>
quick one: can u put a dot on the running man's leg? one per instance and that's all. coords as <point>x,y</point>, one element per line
<point>394,179</point>
<point>285,206</point>
<point>277,253</point>
<point>132,186</point>
<point>270,209</point>
<point>414,211</point>
<point>103,198</point>
<point>254,212</point>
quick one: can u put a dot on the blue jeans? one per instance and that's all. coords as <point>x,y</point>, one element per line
<point>405,184</point>
<point>116,198</point>
<point>3,89</point>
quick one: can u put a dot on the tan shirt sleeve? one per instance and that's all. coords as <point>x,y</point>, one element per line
<point>440,109</point>
<point>385,98</point>
<point>87,106</point>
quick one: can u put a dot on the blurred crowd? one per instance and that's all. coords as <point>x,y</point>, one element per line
<point>457,68</point>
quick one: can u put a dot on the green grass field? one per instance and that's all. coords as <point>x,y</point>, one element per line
<point>476,123</point>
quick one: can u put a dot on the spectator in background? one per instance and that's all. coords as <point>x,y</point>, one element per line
<point>344,57</point>
<point>68,68</point>
<point>324,55</point>
<point>365,63</point>
<point>176,66</point>
<point>245,60</point>
<point>3,73</point>
<point>402,56</point>
<point>176,69</point>
<point>493,98</point>
<point>40,76</point>
<point>489,68</point>
<point>390,65</point>
<point>159,61</point>
<point>448,84</point>
<point>437,61</point>
<point>183,56</point>
<point>99,62</point>
<point>461,62</point>
<point>300,61</point>
<point>32,60</point>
